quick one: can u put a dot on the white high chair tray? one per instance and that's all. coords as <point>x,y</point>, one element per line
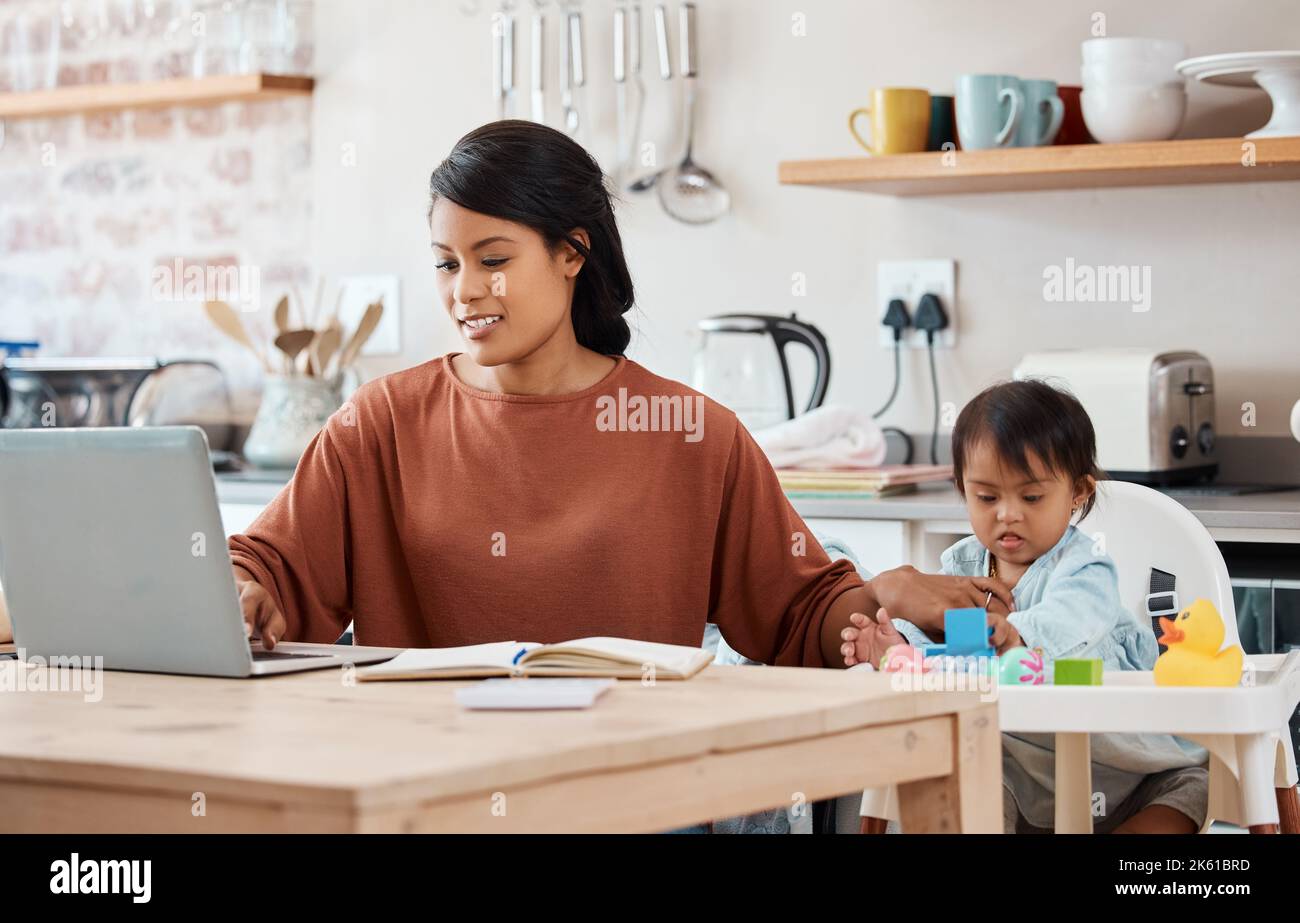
<point>1128,701</point>
<point>1239,725</point>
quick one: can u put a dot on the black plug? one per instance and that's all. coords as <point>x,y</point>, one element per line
<point>896,318</point>
<point>930,315</point>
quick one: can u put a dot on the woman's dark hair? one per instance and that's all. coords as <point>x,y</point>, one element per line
<point>536,176</point>
<point>1018,418</point>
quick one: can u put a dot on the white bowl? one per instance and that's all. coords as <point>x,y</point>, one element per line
<point>1149,50</point>
<point>1118,114</point>
<point>1130,73</point>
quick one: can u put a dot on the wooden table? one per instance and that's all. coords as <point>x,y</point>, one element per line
<point>308,752</point>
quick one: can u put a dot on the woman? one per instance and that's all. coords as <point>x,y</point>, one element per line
<point>540,486</point>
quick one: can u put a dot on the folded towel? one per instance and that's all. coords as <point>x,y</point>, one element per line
<point>832,436</point>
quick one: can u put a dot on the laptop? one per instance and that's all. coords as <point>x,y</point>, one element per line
<point>111,545</point>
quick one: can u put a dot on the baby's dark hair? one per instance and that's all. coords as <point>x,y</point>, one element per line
<point>1019,418</point>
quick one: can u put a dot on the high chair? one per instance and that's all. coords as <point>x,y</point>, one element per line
<point>1151,538</point>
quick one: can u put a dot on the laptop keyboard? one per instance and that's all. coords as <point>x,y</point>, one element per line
<point>260,656</point>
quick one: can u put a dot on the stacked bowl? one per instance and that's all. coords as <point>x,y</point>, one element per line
<point>1131,89</point>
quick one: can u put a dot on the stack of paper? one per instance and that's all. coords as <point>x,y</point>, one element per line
<point>858,483</point>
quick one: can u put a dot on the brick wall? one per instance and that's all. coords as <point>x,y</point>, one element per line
<point>93,208</point>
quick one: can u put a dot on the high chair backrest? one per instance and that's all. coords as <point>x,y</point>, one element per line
<point>1141,528</point>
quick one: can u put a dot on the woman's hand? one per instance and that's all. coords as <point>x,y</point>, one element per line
<point>261,617</point>
<point>922,598</point>
<point>866,641</point>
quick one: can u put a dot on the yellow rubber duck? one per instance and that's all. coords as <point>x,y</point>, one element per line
<point>1193,658</point>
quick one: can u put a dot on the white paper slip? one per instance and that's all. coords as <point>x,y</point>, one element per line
<point>528,694</point>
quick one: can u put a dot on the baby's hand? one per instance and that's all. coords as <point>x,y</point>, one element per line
<point>866,641</point>
<point>1004,635</point>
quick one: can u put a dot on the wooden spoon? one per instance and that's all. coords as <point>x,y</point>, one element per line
<point>323,348</point>
<point>224,317</point>
<point>282,314</point>
<point>292,342</point>
<point>369,321</point>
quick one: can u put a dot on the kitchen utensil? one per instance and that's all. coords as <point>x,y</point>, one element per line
<point>943,124</point>
<point>900,121</point>
<point>225,318</point>
<point>503,59</point>
<point>365,327</point>
<point>741,363</point>
<point>508,56</point>
<point>620,89</point>
<point>538,62</point>
<point>322,349</point>
<point>1117,114</point>
<point>317,303</point>
<point>632,90</point>
<point>989,110</point>
<point>1152,410</point>
<point>293,342</point>
<point>647,181</point>
<point>1073,129</point>
<point>1277,72</point>
<point>690,193</point>
<point>566,69</point>
<point>1044,113</point>
<point>282,314</point>
<point>577,62</point>
<point>572,66</point>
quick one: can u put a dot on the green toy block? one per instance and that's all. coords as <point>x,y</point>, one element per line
<point>1077,673</point>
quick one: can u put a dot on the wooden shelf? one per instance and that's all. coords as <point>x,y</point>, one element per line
<point>100,97</point>
<point>1083,166</point>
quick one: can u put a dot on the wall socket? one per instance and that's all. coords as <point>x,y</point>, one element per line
<point>909,280</point>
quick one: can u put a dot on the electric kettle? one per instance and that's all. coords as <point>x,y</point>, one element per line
<point>741,363</point>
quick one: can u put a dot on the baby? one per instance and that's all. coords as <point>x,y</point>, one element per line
<point>1024,460</point>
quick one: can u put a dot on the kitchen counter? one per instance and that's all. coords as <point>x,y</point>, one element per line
<point>251,486</point>
<point>1251,517</point>
<point>1265,511</point>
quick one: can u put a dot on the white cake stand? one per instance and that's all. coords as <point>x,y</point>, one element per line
<point>1278,72</point>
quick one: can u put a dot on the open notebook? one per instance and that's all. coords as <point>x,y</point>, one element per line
<point>614,657</point>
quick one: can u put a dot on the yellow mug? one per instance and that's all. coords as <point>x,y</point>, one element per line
<point>900,120</point>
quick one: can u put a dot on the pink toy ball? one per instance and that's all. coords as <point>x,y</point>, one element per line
<point>903,658</point>
<point>1022,667</point>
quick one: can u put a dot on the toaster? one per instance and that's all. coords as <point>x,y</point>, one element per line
<point>1153,411</point>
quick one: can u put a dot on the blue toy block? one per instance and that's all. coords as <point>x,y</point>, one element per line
<point>966,632</point>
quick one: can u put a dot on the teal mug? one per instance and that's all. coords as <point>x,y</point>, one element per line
<point>1044,112</point>
<point>989,110</point>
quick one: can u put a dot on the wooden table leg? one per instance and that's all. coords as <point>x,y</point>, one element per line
<point>1073,783</point>
<point>1288,809</point>
<point>969,799</point>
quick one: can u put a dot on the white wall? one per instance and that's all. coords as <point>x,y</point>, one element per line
<point>403,79</point>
